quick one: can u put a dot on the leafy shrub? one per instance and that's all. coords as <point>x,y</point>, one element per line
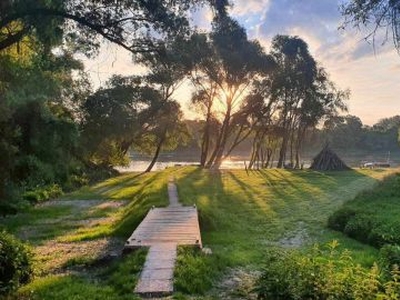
<point>43,193</point>
<point>338,220</point>
<point>15,263</point>
<point>389,256</point>
<point>359,227</point>
<point>31,170</point>
<point>385,233</point>
<point>322,274</point>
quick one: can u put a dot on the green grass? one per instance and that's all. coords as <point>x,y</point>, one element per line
<point>241,216</point>
<point>242,213</point>
<point>114,282</point>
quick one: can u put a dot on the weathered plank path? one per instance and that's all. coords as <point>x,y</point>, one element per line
<point>163,229</point>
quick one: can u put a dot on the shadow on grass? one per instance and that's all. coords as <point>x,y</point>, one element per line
<point>240,213</point>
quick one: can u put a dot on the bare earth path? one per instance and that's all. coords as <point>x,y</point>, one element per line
<point>163,229</point>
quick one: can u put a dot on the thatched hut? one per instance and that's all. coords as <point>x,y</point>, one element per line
<point>327,160</point>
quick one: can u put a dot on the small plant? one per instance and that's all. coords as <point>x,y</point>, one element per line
<point>16,263</point>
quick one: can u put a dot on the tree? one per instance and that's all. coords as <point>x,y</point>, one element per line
<point>132,25</point>
<point>167,132</point>
<point>345,132</point>
<point>227,65</point>
<point>303,93</point>
<point>381,14</point>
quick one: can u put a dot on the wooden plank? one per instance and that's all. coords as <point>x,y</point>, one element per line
<point>163,229</point>
<point>177,224</point>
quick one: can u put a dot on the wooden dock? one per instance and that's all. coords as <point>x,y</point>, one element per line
<point>177,225</point>
<point>163,229</point>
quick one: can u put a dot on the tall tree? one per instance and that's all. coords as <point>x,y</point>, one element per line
<point>225,70</point>
<point>303,93</point>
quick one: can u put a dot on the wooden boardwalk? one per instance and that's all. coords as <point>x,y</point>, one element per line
<point>163,229</point>
<point>177,225</point>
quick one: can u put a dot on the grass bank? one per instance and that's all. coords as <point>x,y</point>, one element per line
<point>241,215</point>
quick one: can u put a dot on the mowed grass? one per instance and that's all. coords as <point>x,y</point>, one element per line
<point>242,214</point>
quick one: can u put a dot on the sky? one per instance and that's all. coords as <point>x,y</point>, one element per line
<point>370,71</point>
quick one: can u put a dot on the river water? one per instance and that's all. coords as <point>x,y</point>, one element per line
<point>141,165</point>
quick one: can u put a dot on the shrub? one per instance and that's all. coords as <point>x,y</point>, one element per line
<point>359,227</point>
<point>385,233</point>
<point>321,273</point>
<point>338,220</point>
<point>43,193</point>
<point>15,263</point>
<point>389,256</point>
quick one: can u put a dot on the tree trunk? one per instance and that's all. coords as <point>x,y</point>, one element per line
<point>282,152</point>
<point>205,145</point>
<point>157,153</point>
<point>215,160</point>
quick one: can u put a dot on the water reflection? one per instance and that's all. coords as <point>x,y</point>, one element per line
<point>141,165</point>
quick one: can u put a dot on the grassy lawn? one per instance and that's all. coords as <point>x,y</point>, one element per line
<point>241,215</point>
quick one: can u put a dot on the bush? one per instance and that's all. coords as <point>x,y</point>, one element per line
<point>385,233</point>
<point>322,274</point>
<point>359,227</point>
<point>389,256</point>
<point>15,263</point>
<point>43,193</point>
<point>339,219</point>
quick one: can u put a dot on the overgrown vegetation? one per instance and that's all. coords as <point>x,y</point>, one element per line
<point>323,273</point>
<point>372,217</point>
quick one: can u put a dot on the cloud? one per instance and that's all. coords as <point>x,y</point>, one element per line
<point>202,18</point>
<point>317,22</point>
<point>247,7</point>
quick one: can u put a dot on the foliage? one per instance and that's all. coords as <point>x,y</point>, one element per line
<point>322,273</point>
<point>43,193</point>
<point>389,257</point>
<point>226,65</point>
<point>372,217</point>
<point>16,263</point>
<point>339,219</point>
<point>84,24</point>
<point>381,14</point>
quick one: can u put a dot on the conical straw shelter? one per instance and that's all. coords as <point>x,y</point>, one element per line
<point>327,160</point>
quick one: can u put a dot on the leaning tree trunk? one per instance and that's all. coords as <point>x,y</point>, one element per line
<point>157,153</point>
